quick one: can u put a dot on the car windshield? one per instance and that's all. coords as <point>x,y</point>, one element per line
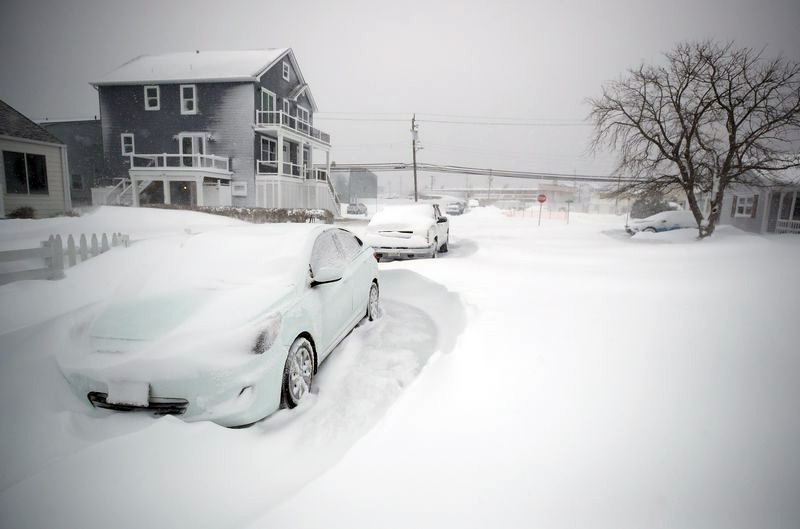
<point>403,213</point>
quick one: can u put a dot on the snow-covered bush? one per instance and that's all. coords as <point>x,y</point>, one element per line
<point>24,212</point>
<point>258,215</point>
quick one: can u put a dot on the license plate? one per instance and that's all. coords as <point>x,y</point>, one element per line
<point>130,393</point>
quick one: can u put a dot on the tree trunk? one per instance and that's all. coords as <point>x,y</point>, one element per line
<point>695,208</point>
<point>713,216</point>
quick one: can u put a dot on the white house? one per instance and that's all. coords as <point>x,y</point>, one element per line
<point>34,171</point>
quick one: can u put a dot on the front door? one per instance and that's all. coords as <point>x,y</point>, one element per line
<point>193,147</point>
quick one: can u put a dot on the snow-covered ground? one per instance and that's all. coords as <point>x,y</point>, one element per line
<point>553,376</point>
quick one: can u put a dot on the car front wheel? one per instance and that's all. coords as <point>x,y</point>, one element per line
<point>298,372</point>
<point>649,230</point>
<point>373,305</point>
<point>443,249</point>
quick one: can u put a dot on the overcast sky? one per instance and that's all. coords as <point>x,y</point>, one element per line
<point>371,59</point>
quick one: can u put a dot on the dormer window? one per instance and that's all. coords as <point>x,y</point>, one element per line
<point>188,99</point>
<point>152,99</point>
<point>285,71</point>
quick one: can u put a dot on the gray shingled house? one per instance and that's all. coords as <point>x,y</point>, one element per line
<point>84,141</point>
<point>34,172</point>
<point>214,128</point>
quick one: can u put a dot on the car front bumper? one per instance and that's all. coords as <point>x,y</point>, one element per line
<point>385,252</point>
<point>229,396</point>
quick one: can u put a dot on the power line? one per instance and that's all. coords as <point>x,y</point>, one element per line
<point>520,154</point>
<point>501,118</point>
<point>464,170</point>
<point>357,119</point>
<point>454,119</point>
<point>500,123</point>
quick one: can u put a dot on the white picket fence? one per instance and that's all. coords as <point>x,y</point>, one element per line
<point>56,256</point>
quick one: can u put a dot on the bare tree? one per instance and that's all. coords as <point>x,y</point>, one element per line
<point>711,116</point>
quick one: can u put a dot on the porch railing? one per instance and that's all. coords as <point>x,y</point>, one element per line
<point>279,118</point>
<point>179,161</point>
<point>787,226</point>
<point>268,167</point>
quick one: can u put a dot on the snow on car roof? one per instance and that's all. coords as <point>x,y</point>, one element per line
<point>676,215</point>
<point>257,255</point>
<point>241,65</point>
<point>215,279</point>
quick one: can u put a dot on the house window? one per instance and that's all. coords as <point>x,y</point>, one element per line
<point>127,144</point>
<point>743,206</point>
<point>188,99</point>
<point>25,173</point>
<point>152,99</point>
<point>269,149</point>
<point>285,70</point>
<point>286,107</point>
<point>77,182</point>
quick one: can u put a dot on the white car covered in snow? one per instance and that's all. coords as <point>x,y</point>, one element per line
<point>227,325</point>
<point>664,221</point>
<point>406,232</point>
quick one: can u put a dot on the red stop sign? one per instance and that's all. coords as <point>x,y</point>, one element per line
<point>541,198</point>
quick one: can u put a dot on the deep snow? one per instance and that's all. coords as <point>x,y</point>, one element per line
<point>554,376</point>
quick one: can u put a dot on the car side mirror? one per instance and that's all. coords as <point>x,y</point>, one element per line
<point>441,220</point>
<point>327,274</point>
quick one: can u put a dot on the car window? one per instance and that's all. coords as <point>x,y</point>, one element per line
<point>349,243</point>
<point>325,252</point>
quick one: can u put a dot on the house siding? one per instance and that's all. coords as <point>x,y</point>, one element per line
<point>224,110</point>
<point>273,81</point>
<point>47,205</point>
<point>84,141</point>
<point>751,224</point>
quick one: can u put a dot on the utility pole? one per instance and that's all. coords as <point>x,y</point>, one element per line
<point>414,151</point>
<point>489,193</point>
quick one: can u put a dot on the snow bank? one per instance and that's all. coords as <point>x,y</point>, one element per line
<point>552,376</point>
<point>600,382</point>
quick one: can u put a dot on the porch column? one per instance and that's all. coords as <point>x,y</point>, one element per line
<point>199,185</point>
<point>135,191</point>
<point>167,195</point>
<point>276,189</point>
<point>311,161</point>
<point>280,152</point>
<point>301,158</point>
<point>328,164</point>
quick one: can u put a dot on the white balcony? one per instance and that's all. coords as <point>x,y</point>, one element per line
<point>270,120</point>
<point>164,163</point>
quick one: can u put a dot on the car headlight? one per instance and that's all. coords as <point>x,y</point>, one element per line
<point>270,329</point>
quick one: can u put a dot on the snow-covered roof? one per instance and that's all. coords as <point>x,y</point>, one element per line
<point>787,177</point>
<point>223,66</point>
<point>15,124</point>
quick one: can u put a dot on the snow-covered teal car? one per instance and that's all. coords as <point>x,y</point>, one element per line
<point>664,221</point>
<point>228,325</point>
